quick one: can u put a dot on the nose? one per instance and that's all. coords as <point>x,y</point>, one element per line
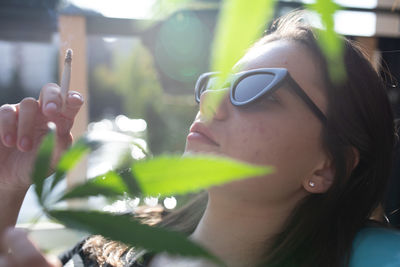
<point>214,104</point>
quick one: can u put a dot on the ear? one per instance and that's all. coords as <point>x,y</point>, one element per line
<point>321,179</point>
<point>354,158</point>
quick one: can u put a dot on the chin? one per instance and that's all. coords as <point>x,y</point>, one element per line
<point>200,150</point>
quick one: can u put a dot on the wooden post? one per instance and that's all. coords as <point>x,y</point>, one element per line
<point>72,31</point>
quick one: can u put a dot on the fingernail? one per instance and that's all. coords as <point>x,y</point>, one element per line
<point>51,106</point>
<point>76,96</point>
<point>8,139</point>
<point>75,99</point>
<point>25,143</point>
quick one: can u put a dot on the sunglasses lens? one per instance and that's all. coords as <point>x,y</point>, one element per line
<point>251,86</point>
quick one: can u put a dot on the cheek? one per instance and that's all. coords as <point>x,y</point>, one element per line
<point>298,153</point>
<point>286,144</point>
<point>253,143</point>
<point>260,129</point>
<point>245,140</point>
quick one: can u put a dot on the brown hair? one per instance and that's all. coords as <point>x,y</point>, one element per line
<point>359,127</point>
<point>321,229</point>
<point>105,251</point>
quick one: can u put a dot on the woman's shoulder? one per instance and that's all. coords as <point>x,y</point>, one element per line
<point>376,246</point>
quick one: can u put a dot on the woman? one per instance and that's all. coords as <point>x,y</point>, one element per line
<point>330,143</point>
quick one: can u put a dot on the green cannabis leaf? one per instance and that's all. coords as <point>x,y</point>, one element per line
<point>41,167</point>
<point>70,158</point>
<point>125,229</point>
<point>167,175</point>
<point>330,42</point>
<point>240,23</point>
<point>108,185</point>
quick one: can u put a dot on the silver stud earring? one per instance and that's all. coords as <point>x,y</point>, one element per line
<point>311,184</point>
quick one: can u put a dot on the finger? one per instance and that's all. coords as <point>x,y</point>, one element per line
<point>54,261</point>
<point>50,100</point>
<point>73,104</point>
<point>8,125</point>
<point>23,251</point>
<point>27,112</point>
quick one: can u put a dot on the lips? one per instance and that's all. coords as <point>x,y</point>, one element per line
<point>200,132</point>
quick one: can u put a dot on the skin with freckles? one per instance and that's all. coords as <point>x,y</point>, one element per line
<point>243,217</point>
<point>283,133</point>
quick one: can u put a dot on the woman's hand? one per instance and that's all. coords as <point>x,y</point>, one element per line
<point>22,127</point>
<point>16,250</point>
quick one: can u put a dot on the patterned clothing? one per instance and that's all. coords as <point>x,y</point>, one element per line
<point>76,257</point>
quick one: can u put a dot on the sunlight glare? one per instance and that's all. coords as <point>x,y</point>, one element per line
<point>170,203</point>
<point>126,124</point>
<point>151,201</point>
<point>350,3</point>
<point>355,23</point>
<point>132,9</point>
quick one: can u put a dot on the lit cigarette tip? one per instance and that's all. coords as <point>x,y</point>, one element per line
<point>68,55</point>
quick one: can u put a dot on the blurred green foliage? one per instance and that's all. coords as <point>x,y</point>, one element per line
<point>133,80</point>
<point>330,42</point>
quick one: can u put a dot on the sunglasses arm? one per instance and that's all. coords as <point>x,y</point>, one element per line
<point>300,92</point>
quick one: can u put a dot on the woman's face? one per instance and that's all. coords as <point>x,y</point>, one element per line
<point>281,131</point>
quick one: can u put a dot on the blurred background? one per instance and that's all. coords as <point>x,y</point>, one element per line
<point>136,63</point>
